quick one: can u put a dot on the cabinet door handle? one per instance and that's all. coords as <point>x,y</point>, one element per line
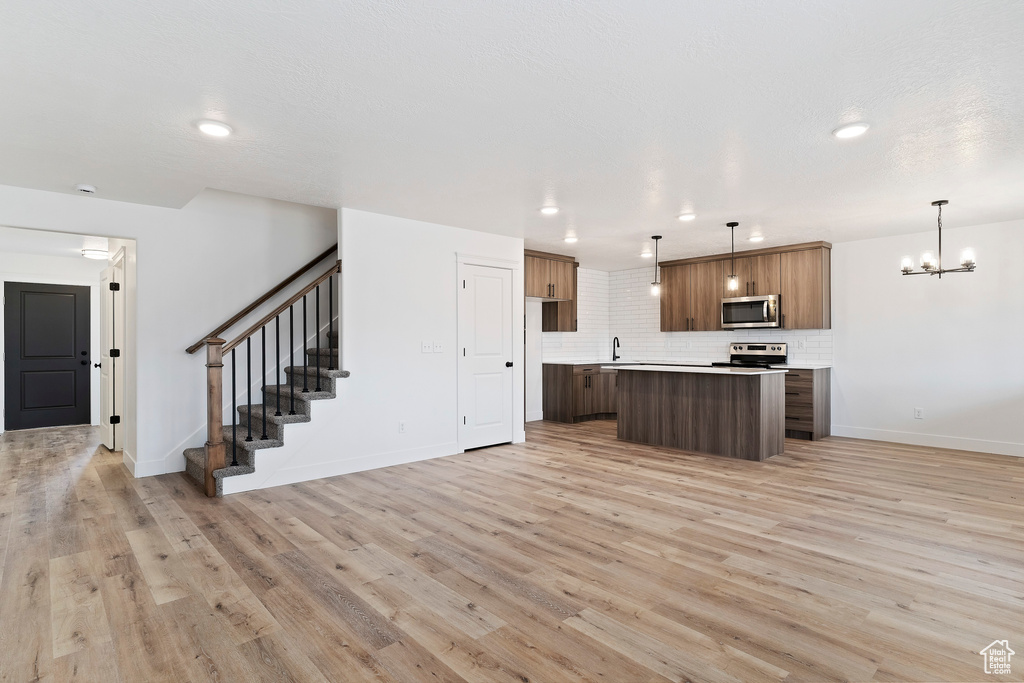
<point>755,287</point>
<point>783,321</point>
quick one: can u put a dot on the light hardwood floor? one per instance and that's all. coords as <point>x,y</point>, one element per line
<point>571,557</point>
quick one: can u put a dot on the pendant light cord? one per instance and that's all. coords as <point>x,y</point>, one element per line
<point>732,250</point>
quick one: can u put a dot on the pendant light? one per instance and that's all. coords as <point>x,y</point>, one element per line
<point>732,283</point>
<point>932,266</point>
<point>656,285</point>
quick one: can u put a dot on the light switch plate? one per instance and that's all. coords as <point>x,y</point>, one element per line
<point>438,348</point>
<point>428,347</point>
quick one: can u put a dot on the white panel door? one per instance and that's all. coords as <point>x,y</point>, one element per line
<point>111,370</point>
<point>485,356</point>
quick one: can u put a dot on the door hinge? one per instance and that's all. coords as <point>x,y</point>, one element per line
<point>463,284</point>
<point>115,353</point>
<point>115,419</point>
<point>463,419</point>
<point>115,286</point>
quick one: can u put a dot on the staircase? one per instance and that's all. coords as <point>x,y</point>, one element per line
<point>261,420</point>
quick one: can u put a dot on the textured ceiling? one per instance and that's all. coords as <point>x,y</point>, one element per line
<point>475,114</point>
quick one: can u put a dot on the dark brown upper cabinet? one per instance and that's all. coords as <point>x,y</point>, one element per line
<point>553,277</point>
<point>691,297</point>
<point>692,289</point>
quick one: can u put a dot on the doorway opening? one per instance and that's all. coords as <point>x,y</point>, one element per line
<point>68,332</point>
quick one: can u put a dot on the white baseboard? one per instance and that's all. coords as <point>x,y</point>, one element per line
<point>129,461</point>
<point>535,416</point>
<point>931,440</point>
<point>321,470</point>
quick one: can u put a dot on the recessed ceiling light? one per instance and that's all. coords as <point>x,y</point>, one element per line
<point>95,254</point>
<point>549,210</point>
<point>757,238</point>
<point>686,216</point>
<point>851,130</point>
<point>85,189</point>
<point>646,254</point>
<point>571,239</point>
<point>214,128</point>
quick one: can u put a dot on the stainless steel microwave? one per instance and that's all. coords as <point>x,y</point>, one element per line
<point>751,311</point>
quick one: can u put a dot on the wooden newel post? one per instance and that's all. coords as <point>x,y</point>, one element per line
<point>215,449</point>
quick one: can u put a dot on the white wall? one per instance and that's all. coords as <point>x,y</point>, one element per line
<point>592,340</point>
<point>399,288</point>
<point>534,361</point>
<point>950,346</point>
<point>195,267</point>
<point>59,270</point>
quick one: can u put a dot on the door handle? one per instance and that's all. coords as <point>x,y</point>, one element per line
<point>85,362</point>
<point>508,364</point>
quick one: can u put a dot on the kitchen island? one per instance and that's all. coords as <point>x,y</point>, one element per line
<point>738,413</point>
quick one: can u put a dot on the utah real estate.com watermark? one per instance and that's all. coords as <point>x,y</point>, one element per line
<point>997,657</point>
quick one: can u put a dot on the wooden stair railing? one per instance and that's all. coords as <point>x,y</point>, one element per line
<point>260,301</point>
<point>216,348</point>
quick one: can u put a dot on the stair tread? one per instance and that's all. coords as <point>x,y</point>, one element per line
<point>311,371</point>
<point>256,444</point>
<point>288,390</point>
<point>283,419</point>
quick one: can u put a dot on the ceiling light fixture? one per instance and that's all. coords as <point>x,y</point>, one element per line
<point>732,283</point>
<point>95,254</point>
<point>686,217</point>
<point>932,266</point>
<point>757,238</point>
<point>85,189</point>
<point>851,130</point>
<point>646,254</point>
<point>214,129</point>
<point>549,210</point>
<point>571,239</point>
<point>656,285</point>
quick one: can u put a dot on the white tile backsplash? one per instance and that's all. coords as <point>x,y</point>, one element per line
<point>632,314</point>
<point>591,341</point>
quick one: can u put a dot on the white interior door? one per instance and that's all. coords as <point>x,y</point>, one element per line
<point>112,370</point>
<point>485,356</point>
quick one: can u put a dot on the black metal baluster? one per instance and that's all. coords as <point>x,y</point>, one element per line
<point>263,379</point>
<point>277,351</point>
<point>305,350</point>
<point>317,301</point>
<point>291,355</point>
<point>234,413</point>
<point>248,384</point>
<point>330,321</point>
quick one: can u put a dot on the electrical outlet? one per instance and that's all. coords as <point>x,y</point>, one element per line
<point>438,348</point>
<point>401,428</point>
<point>428,347</point>
<point>801,344</point>
<point>918,413</point>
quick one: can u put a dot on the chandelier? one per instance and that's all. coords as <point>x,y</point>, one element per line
<point>933,266</point>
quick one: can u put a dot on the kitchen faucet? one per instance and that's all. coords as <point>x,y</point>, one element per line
<point>615,345</point>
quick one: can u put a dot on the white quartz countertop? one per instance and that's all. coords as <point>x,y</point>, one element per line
<point>702,362</point>
<point>698,369</point>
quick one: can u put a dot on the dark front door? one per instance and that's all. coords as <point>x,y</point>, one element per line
<point>46,355</point>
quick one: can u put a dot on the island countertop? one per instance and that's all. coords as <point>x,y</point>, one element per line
<point>698,369</point>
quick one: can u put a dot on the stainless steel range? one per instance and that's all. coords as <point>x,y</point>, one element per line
<point>755,355</point>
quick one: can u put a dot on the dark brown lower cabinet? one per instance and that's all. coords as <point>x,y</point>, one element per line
<point>808,403</point>
<point>573,393</point>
